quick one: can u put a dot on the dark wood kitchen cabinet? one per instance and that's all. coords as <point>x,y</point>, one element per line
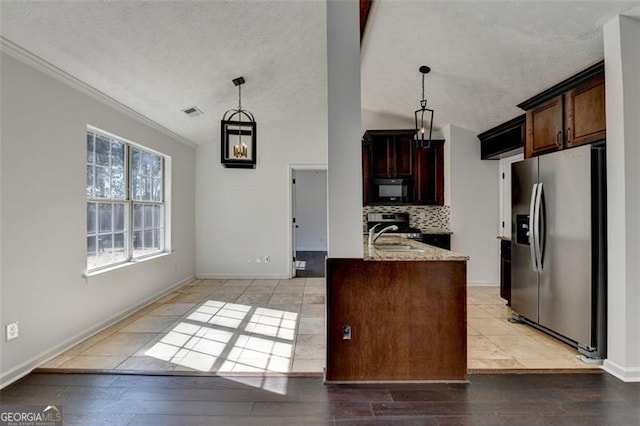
<point>393,154</point>
<point>568,114</point>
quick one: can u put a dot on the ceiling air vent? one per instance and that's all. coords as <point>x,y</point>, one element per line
<point>192,111</point>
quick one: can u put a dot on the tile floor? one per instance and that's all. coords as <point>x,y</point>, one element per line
<point>278,326</point>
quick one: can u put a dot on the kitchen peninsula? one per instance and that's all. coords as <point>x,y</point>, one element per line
<point>398,314</point>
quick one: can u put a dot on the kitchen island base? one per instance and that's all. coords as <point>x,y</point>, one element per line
<point>396,321</point>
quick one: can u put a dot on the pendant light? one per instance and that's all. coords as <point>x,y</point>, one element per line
<point>424,125</point>
<point>238,145</point>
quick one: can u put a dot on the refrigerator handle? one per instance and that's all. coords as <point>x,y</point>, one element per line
<point>532,228</point>
<point>539,226</point>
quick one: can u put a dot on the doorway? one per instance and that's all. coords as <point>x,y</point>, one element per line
<point>309,221</point>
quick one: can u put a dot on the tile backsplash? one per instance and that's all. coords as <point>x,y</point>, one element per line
<point>422,217</point>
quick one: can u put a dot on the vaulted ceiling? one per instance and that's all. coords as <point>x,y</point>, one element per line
<point>160,57</point>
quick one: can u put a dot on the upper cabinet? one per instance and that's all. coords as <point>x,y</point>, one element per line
<point>568,114</point>
<point>504,140</point>
<point>393,155</point>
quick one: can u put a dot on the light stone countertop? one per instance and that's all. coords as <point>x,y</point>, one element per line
<point>434,231</point>
<point>425,252</point>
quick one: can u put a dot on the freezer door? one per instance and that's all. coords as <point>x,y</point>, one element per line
<point>524,278</point>
<point>565,281</point>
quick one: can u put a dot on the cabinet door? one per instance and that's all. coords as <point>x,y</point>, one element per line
<point>429,174</point>
<point>381,157</point>
<point>585,114</point>
<point>366,173</point>
<point>544,128</point>
<point>403,156</point>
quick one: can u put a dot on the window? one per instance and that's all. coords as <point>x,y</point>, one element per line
<point>125,201</point>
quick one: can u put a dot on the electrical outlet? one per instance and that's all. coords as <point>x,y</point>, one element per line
<point>12,331</point>
<point>267,259</point>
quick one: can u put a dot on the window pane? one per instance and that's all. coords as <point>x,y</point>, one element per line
<point>137,216</point>
<point>105,245</point>
<point>90,137</point>
<point>105,217</point>
<point>156,190</point>
<point>91,218</point>
<point>90,181</point>
<point>158,239</point>
<point>103,147</point>
<point>148,239</point>
<point>135,161</point>
<point>137,240</point>
<point>119,252</point>
<point>102,183</point>
<point>117,184</point>
<point>118,217</point>
<point>157,166</point>
<point>148,217</point>
<point>157,216</point>
<point>117,155</point>
<point>91,245</point>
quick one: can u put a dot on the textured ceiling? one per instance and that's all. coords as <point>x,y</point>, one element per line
<point>485,56</point>
<point>158,57</point>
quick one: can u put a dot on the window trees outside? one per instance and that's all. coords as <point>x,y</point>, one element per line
<point>125,201</point>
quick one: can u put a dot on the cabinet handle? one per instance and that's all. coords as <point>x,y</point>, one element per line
<point>559,138</point>
<point>569,135</point>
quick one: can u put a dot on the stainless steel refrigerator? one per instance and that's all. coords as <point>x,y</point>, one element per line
<point>558,270</point>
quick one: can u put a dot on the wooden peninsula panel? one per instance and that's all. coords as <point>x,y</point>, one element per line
<point>407,320</point>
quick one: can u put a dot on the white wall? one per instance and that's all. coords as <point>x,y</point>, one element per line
<point>472,193</point>
<point>373,120</point>
<point>244,213</point>
<point>622,74</point>
<point>311,210</point>
<point>44,219</point>
<point>344,137</point>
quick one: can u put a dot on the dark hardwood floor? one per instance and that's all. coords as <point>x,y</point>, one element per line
<point>313,264</point>
<point>502,399</point>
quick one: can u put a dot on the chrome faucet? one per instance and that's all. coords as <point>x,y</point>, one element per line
<point>373,236</point>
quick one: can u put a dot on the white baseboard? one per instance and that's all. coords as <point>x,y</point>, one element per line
<point>26,367</point>
<point>227,276</point>
<point>623,373</point>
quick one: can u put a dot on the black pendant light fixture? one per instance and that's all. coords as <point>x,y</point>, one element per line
<point>424,117</point>
<point>238,147</point>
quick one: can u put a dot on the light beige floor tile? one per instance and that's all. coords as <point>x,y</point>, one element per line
<point>494,364</point>
<point>265,283</point>
<point>472,331</point>
<point>212,283</point>
<point>313,299</point>
<point>242,284</point>
<point>258,290</point>
<point>259,299</point>
<point>289,289</point>
<point>479,347</point>
<point>555,363</point>
<point>308,365</point>
<point>172,309</point>
<point>203,290</point>
<point>496,311</point>
<point>294,281</point>
<point>94,362</point>
<point>285,299</point>
<point>524,347</point>
<point>190,298</point>
<point>311,326</point>
<point>315,289</point>
<point>493,326</point>
<point>145,363</point>
<point>310,346</point>
<point>168,297</point>
<point>120,344</point>
<point>150,324</point>
<point>312,311</point>
<point>57,361</point>
<point>474,311</point>
<point>316,281</point>
<point>86,344</point>
<point>122,323</point>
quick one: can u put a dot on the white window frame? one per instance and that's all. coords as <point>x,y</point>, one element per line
<point>129,201</point>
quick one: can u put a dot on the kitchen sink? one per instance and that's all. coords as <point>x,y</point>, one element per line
<point>398,247</point>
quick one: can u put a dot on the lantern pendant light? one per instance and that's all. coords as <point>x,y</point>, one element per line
<point>424,117</point>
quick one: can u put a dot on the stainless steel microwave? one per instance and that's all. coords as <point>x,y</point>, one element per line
<point>391,190</point>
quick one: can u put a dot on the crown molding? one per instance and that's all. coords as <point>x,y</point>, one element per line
<point>23,55</point>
